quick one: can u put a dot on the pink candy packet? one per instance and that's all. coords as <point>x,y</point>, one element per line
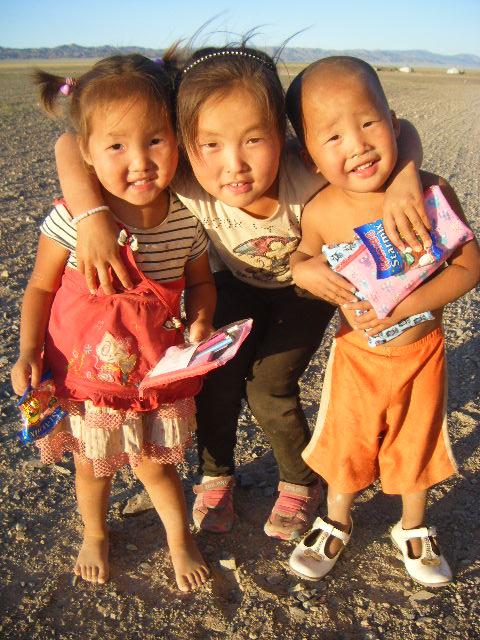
<point>356,264</point>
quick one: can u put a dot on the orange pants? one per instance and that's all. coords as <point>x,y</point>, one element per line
<point>383,414</point>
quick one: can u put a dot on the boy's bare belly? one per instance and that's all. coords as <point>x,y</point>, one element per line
<point>409,336</point>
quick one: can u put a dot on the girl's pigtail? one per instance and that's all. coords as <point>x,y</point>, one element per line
<point>172,61</point>
<point>50,88</point>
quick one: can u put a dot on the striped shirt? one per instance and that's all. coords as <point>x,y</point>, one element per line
<point>163,250</point>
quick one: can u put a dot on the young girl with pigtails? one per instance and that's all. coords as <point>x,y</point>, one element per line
<point>98,348</point>
<point>248,187</point>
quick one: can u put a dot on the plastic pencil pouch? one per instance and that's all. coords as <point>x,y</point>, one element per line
<point>40,410</point>
<point>354,262</point>
<point>189,359</point>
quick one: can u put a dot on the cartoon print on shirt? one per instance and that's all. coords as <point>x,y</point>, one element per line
<point>268,255</point>
<point>114,356</point>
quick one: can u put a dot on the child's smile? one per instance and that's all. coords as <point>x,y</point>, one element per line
<point>133,154</point>
<point>238,153</point>
<point>366,169</point>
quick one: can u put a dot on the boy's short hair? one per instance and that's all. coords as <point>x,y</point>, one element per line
<point>344,64</point>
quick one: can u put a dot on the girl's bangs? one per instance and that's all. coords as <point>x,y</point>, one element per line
<point>104,94</point>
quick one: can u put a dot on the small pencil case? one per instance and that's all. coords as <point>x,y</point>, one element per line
<point>194,359</point>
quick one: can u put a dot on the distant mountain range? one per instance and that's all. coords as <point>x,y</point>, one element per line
<point>413,58</point>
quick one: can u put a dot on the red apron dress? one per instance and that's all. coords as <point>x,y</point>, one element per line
<point>98,349</point>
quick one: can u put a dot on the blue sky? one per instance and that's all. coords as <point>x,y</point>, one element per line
<point>439,26</point>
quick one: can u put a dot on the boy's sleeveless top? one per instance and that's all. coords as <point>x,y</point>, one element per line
<point>100,347</point>
<point>256,250</point>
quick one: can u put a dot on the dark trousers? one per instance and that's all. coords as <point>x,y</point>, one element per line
<point>288,326</point>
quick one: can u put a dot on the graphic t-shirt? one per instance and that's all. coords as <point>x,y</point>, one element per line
<point>256,251</point>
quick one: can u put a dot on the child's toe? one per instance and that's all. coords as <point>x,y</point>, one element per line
<point>102,576</point>
<point>202,575</point>
<point>184,584</point>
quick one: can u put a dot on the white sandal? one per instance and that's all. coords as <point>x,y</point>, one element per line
<point>430,569</point>
<point>309,559</point>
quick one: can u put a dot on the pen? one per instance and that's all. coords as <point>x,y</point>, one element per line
<point>215,347</point>
<point>209,343</point>
<point>203,357</point>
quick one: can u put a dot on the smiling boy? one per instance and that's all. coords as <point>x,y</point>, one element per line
<point>383,409</point>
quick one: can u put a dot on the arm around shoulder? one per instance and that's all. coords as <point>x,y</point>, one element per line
<point>460,276</point>
<point>80,187</point>
<point>97,247</point>
<point>404,207</point>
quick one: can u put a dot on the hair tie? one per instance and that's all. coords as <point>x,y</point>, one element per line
<point>159,61</point>
<point>67,87</point>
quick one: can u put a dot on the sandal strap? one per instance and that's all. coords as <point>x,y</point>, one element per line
<point>323,530</point>
<point>330,530</point>
<point>421,532</point>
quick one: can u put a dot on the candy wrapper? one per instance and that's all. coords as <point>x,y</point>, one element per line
<point>389,260</point>
<point>355,263</point>
<point>40,410</point>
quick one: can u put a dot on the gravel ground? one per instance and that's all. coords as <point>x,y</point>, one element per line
<point>252,594</point>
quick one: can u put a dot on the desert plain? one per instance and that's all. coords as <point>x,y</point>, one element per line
<point>252,594</point>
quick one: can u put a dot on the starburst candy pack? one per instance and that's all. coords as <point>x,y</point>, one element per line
<point>355,262</point>
<point>389,260</point>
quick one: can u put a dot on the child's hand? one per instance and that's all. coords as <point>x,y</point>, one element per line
<point>404,210</point>
<point>199,330</point>
<point>369,322</point>
<point>27,370</point>
<point>97,250</point>
<point>317,277</point>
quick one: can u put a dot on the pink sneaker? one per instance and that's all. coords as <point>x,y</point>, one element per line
<point>294,511</point>
<point>213,507</point>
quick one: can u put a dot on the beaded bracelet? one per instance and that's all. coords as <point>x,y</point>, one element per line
<point>90,212</point>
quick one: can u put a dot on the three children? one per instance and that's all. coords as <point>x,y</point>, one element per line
<point>249,194</point>
<point>248,187</point>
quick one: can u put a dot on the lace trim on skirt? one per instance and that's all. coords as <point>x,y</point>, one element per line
<point>110,438</point>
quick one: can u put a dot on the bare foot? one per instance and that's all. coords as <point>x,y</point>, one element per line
<point>191,571</point>
<point>92,562</point>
